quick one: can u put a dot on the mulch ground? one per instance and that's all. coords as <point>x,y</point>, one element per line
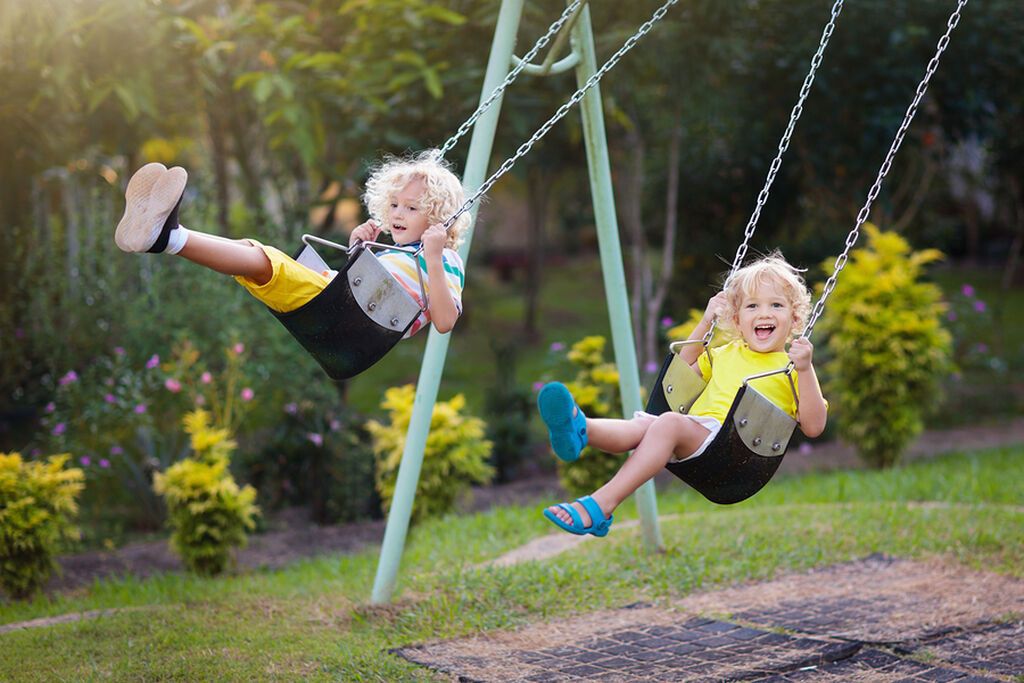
<point>879,619</point>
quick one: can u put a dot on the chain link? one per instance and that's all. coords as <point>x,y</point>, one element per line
<point>512,75</point>
<point>862,215</point>
<point>563,110</point>
<point>773,168</point>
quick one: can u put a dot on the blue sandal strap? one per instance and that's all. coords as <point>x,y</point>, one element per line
<point>599,524</point>
<point>577,521</point>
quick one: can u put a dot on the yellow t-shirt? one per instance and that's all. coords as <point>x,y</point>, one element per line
<point>731,364</point>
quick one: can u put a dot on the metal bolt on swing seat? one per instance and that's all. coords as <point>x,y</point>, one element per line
<point>743,422</point>
<point>394,322</point>
<point>776,446</point>
<point>682,409</point>
<point>372,306</point>
<point>757,441</point>
<point>668,389</point>
<point>358,281</point>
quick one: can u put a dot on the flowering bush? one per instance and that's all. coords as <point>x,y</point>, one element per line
<point>208,512</point>
<point>455,456</point>
<point>37,508</point>
<point>115,415</point>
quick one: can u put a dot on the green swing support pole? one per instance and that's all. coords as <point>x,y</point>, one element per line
<point>437,344</point>
<point>611,258</point>
<point>501,56</point>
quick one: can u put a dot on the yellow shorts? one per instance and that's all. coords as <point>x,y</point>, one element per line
<point>291,285</point>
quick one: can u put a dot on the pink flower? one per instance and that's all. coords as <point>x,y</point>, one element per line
<point>140,409</point>
<point>967,291</point>
<point>118,350</point>
<point>667,322</point>
<point>116,450</point>
<point>50,407</point>
<point>109,398</point>
<point>200,400</point>
<point>153,361</point>
<point>173,385</point>
<point>238,348</point>
<point>537,386</point>
<point>85,460</point>
<point>979,306</point>
<point>59,428</point>
<point>335,425</point>
<point>247,394</point>
<point>291,408</point>
<point>317,439</point>
<point>206,378</point>
<point>104,463</point>
<point>557,346</point>
<point>67,379</point>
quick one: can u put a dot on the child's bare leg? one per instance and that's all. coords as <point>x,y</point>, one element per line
<point>231,257</point>
<point>667,436</point>
<point>617,436</point>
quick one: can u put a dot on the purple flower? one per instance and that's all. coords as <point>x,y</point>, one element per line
<point>967,290</point>
<point>537,386</point>
<point>104,463</point>
<point>118,350</point>
<point>335,425</point>
<point>238,348</point>
<point>805,448</point>
<point>85,460</point>
<point>317,439</point>
<point>59,428</point>
<point>667,322</point>
<point>67,379</point>
<point>650,367</point>
<point>951,316</point>
<point>19,333</point>
<point>109,398</point>
<point>173,385</point>
<point>291,408</point>
<point>979,306</point>
<point>247,394</point>
<point>116,450</point>
<point>153,361</point>
<point>36,453</point>
<point>50,407</point>
<point>206,378</point>
<point>557,346</point>
<point>140,409</point>
<point>981,347</point>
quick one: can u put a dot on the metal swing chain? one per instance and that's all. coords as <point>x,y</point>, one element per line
<point>773,169</point>
<point>512,75</point>
<point>865,210</point>
<point>561,112</point>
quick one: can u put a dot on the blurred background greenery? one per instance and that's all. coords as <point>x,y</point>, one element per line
<point>278,108</point>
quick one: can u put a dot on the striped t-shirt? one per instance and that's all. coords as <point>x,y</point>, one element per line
<point>400,265</point>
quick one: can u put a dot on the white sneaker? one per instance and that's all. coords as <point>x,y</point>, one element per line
<point>152,196</point>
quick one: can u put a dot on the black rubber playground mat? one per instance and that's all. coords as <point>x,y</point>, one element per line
<point>874,620</point>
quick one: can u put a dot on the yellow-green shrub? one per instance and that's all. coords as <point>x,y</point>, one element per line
<point>888,347</point>
<point>208,512</point>
<point>455,456</point>
<point>596,390</point>
<point>37,508</point>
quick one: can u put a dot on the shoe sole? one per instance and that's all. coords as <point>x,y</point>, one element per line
<point>151,195</point>
<point>556,400</point>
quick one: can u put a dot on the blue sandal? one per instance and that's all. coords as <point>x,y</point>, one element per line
<point>567,432</point>
<point>599,524</point>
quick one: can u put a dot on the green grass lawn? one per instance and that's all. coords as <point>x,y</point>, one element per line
<point>312,620</point>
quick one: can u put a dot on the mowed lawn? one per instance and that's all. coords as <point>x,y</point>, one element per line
<point>312,620</point>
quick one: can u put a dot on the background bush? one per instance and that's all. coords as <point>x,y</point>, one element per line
<point>37,510</point>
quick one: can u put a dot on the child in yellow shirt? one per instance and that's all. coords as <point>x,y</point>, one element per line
<point>766,303</point>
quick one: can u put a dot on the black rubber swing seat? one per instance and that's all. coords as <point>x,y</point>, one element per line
<point>746,452</point>
<point>356,319</point>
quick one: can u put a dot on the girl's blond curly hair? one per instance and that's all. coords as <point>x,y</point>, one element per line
<point>773,269</point>
<point>444,194</point>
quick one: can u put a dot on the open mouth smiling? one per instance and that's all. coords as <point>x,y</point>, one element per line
<point>764,330</point>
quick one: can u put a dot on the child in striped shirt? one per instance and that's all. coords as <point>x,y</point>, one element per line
<point>406,198</point>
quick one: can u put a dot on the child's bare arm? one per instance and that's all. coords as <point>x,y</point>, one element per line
<point>691,352</point>
<point>813,413</point>
<point>443,310</point>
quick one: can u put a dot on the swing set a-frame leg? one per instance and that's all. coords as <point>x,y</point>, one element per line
<point>482,140</point>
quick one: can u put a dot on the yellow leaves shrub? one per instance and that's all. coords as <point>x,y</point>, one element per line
<point>207,511</point>
<point>455,456</point>
<point>38,503</point>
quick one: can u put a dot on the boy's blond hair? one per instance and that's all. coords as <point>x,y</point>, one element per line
<point>444,194</point>
<point>771,268</point>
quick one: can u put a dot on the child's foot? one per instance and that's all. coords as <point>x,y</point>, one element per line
<point>567,425</point>
<point>584,516</point>
<point>151,203</point>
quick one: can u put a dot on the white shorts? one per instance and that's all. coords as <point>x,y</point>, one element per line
<point>709,423</point>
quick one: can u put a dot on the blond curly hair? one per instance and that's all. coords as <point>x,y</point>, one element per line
<point>444,194</point>
<point>774,269</point>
